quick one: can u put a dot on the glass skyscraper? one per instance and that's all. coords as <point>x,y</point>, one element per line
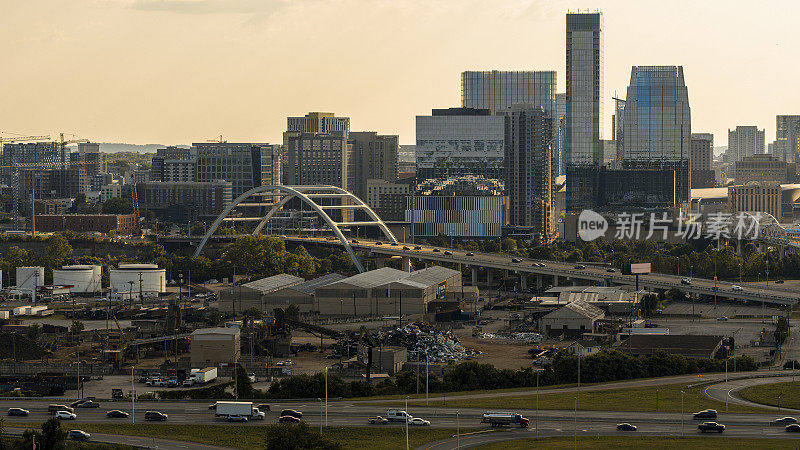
<point>498,90</point>
<point>584,108</point>
<point>657,124</point>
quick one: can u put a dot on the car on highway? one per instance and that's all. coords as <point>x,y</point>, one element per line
<point>778,281</point>
<point>783,421</point>
<point>470,254</point>
<point>378,420</point>
<point>212,406</point>
<point>793,428</point>
<point>611,270</point>
<point>417,247</point>
<point>292,412</point>
<point>116,414</point>
<point>711,426</point>
<point>354,241</point>
<point>378,243</point>
<point>65,415</point>
<point>516,260</point>
<point>626,427</point>
<point>394,244</point>
<point>736,287</point>
<point>77,403</point>
<point>436,250</point>
<point>155,416</point>
<point>406,248</point>
<point>189,382</point>
<point>263,407</point>
<point>54,408</point>
<point>448,253</point>
<point>722,319</point>
<point>579,266</point>
<point>237,418</point>
<point>539,264</point>
<point>288,419</point>
<point>78,435</point>
<point>416,421</point>
<point>705,414</point>
<point>686,280</point>
<point>18,412</point>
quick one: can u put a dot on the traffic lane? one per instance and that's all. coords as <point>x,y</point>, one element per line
<point>729,391</point>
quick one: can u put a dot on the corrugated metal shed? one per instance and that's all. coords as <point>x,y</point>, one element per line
<point>275,282</point>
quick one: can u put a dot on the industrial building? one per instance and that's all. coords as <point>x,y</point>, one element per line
<point>386,291</point>
<point>138,280</point>
<point>123,224</point>
<point>79,278</point>
<point>251,295</point>
<point>215,345</point>
<point>690,346</point>
<point>574,319</point>
<point>30,278</point>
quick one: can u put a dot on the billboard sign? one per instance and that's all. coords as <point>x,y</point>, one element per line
<point>637,268</point>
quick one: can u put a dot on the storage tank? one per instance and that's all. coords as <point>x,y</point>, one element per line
<point>127,278</point>
<point>28,278</point>
<point>82,278</point>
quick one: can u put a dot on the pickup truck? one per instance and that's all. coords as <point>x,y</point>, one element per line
<point>711,426</point>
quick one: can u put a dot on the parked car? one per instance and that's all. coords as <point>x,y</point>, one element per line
<point>116,414</point>
<point>288,419</point>
<point>189,382</point>
<point>416,421</point>
<point>172,382</point>
<point>263,407</point>
<point>117,393</point>
<point>65,415</point>
<point>18,412</point>
<point>722,319</point>
<point>237,418</point>
<point>155,416</point>
<point>711,426</point>
<point>293,413</point>
<point>78,435</point>
<point>378,420</point>
<point>686,280</point>
<point>784,421</point>
<point>625,427</point>
<point>705,414</point>
<point>793,428</point>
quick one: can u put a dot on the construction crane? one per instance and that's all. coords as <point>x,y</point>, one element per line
<point>15,169</point>
<point>219,140</point>
<point>137,229</point>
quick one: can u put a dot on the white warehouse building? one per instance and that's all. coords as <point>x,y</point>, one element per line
<point>29,278</point>
<point>80,278</point>
<point>130,279</point>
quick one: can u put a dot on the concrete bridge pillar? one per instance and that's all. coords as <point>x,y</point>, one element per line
<point>555,280</point>
<point>406,265</point>
<point>523,280</point>
<point>538,281</point>
<point>380,262</point>
<point>782,250</point>
<point>762,247</point>
<point>474,276</point>
<point>489,275</point>
<point>739,247</point>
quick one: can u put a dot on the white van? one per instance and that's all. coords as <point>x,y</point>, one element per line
<point>397,415</point>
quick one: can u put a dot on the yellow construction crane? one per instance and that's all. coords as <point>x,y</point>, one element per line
<point>20,138</point>
<point>65,142</point>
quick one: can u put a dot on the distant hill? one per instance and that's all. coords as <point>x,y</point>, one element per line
<point>115,147</point>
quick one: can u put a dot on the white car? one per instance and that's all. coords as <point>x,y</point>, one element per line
<point>418,422</point>
<point>737,288</point>
<point>66,415</point>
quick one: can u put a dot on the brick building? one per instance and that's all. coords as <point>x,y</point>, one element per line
<point>124,224</point>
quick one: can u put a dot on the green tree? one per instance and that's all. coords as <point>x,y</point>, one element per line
<point>244,388</point>
<point>117,205</point>
<point>77,327</point>
<point>296,436</point>
<point>34,331</point>
<point>53,437</point>
<point>508,245</point>
<point>58,249</point>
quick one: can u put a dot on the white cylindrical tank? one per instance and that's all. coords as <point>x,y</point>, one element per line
<point>128,278</point>
<point>82,278</point>
<point>28,278</point>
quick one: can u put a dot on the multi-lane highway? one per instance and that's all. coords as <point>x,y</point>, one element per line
<point>769,293</point>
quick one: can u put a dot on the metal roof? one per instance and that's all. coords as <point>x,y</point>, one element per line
<point>273,283</point>
<point>216,330</point>
<point>431,275</point>
<point>375,277</point>
<point>309,286</point>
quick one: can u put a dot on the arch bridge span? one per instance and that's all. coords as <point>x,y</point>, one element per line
<point>282,195</point>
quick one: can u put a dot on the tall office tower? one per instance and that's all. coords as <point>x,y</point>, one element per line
<point>560,123</point>
<point>375,157</point>
<point>316,158</point>
<point>658,126</point>
<point>318,122</point>
<point>31,155</point>
<point>745,141</point>
<point>497,90</point>
<point>528,171</point>
<point>584,112</point>
<point>787,138</point>
<point>617,131</point>
<point>701,151</point>
<point>89,161</point>
<point>245,165</point>
<point>173,152</point>
<point>459,142</point>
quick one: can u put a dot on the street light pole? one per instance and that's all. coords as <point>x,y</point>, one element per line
<point>537,403</point>
<point>681,413</point>
<point>320,414</point>
<point>406,419</point>
<point>326,397</point>
<point>575,429</point>
<point>458,433</point>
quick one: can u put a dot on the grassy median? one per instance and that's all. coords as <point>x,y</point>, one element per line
<point>252,437</point>
<point>665,398</point>
<point>649,442</point>
<point>769,394</point>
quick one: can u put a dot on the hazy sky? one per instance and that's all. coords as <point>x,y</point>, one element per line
<point>178,71</point>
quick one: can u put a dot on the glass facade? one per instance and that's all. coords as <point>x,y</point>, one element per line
<point>657,124</point>
<point>787,138</point>
<point>584,108</point>
<point>498,90</point>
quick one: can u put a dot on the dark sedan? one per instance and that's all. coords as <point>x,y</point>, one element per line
<point>116,414</point>
<point>17,412</point>
<point>625,427</point>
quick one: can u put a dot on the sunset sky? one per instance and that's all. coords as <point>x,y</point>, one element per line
<point>178,71</point>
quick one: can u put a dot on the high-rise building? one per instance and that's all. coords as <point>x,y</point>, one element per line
<point>497,90</point>
<point>528,171</point>
<point>617,131</point>
<point>375,157</point>
<point>31,155</point>
<point>584,108</point>
<point>245,165</point>
<point>317,158</point>
<point>764,169</point>
<point>173,152</point>
<point>318,122</point>
<point>657,124</point>
<point>744,141</point>
<point>560,122</point>
<point>701,160</point>
<point>787,138</point>
<point>184,201</point>
<point>460,142</point>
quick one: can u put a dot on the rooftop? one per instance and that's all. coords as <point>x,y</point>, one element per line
<point>309,286</point>
<point>216,330</point>
<point>695,346</point>
<point>273,283</point>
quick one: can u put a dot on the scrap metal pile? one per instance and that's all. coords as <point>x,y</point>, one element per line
<point>514,337</point>
<point>440,346</point>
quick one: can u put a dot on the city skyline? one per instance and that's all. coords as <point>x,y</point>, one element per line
<point>174,72</point>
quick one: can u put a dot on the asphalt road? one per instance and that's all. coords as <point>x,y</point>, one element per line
<point>771,293</point>
<point>729,391</point>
